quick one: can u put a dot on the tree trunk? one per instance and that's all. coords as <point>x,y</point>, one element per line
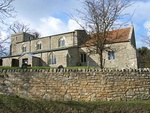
<point>101,59</point>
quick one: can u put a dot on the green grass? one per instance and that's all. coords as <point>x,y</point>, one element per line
<point>14,104</point>
<point>8,67</point>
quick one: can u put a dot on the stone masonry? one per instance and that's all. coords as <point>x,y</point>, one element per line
<point>77,85</point>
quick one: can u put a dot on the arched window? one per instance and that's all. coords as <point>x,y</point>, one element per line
<point>62,42</point>
<point>52,59</point>
<point>38,45</point>
<point>24,48</point>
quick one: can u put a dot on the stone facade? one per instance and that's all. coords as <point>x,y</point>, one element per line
<point>65,49</point>
<point>77,85</point>
<point>125,57</point>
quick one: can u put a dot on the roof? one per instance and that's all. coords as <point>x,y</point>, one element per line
<point>119,35</point>
<point>114,36</point>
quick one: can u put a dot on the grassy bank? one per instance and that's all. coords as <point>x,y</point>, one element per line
<point>14,104</point>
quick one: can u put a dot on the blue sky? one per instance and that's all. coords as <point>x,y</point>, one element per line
<point>50,16</point>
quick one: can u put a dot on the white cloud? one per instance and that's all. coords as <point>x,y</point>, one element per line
<point>51,25</point>
<point>72,25</point>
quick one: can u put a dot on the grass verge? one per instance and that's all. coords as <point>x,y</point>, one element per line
<point>14,104</point>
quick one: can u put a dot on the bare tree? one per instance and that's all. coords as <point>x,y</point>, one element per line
<point>146,38</point>
<point>100,16</point>
<point>6,11</point>
<point>3,42</point>
<point>18,27</point>
<point>36,34</point>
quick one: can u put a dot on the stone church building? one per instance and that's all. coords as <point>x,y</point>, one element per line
<point>68,49</point>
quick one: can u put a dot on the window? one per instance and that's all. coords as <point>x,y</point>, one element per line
<point>52,59</point>
<point>38,46</point>
<point>83,57</point>
<point>24,48</point>
<point>62,42</point>
<point>111,55</point>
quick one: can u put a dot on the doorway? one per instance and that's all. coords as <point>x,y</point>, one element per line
<point>15,63</point>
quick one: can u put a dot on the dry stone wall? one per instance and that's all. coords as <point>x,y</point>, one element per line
<point>77,85</point>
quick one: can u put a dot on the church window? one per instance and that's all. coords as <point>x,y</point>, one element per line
<point>62,42</point>
<point>23,48</point>
<point>39,46</point>
<point>52,59</point>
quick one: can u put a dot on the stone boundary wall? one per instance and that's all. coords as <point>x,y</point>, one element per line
<point>77,85</point>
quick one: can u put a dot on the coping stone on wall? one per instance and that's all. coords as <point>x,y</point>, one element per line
<point>140,70</point>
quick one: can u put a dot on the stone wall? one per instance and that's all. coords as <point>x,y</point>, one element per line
<point>77,85</point>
